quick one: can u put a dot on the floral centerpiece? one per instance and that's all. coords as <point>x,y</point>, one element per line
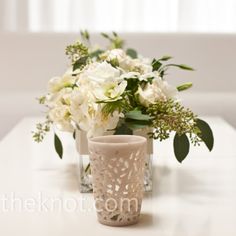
<point>118,90</point>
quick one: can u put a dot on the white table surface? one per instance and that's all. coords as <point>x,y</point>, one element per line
<point>195,198</point>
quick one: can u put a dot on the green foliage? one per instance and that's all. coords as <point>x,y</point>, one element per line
<point>110,107</point>
<point>137,115</point>
<point>165,58</point>
<point>96,53</point>
<point>184,67</point>
<point>80,63</point>
<point>171,116</point>
<point>85,35</point>
<point>74,134</point>
<point>135,119</point>
<point>58,146</point>
<point>123,129</point>
<point>132,53</point>
<point>156,65</point>
<point>181,66</point>
<point>184,86</point>
<point>115,40</point>
<point>41,130</point>
<point>132,84</point>
<point>114,62</point>
<point>137,124</point>
<point>87,169</point>
<point>76,51</point>
<point>42,99</point>
<point>181,146</point>
<point>206,133</point>
<point>105,35</point>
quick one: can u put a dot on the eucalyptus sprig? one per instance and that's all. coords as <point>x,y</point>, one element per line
<point>171,116</point>
<point>76,51</point>
<point>41,130</point>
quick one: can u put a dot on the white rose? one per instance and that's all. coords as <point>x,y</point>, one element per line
<point>99,73</point>
<point>159,90</point>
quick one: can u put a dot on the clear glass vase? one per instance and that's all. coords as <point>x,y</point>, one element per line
<point>84,170</point>
<point>84,174</point>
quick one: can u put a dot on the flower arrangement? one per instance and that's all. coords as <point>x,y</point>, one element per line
<point>118,90</point>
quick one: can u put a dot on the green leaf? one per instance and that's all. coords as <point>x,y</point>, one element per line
<point>114,62</point>
<point>85,34</point>
<point>185,67</point>
<point>96,53</point>
<point>156,65</point>
<point>137,124</point>
<point>74,134</point>
<point>80,62</point>
<point>58,146</point>
<point>42,99</point>
<point>181,146</point>
<point>123,129</point>
<point>105,35</point>
<point>137,115</point>
<point>87,168</point>
<point>181,66</point>
<point>165,58</point>
<point>115,34</point>
<point>206,133</point>
<point>132,53</point>
<point>132,84</point>
<point>184,86</point>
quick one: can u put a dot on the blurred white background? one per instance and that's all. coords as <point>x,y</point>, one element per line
<point>201,33</point>
<point>118,15</point>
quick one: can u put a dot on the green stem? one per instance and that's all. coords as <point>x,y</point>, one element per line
<point>87,168</point>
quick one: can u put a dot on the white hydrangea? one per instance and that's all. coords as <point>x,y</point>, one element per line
<point>59,112</point>
<point>88,116</point>
<point>83,107</point>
